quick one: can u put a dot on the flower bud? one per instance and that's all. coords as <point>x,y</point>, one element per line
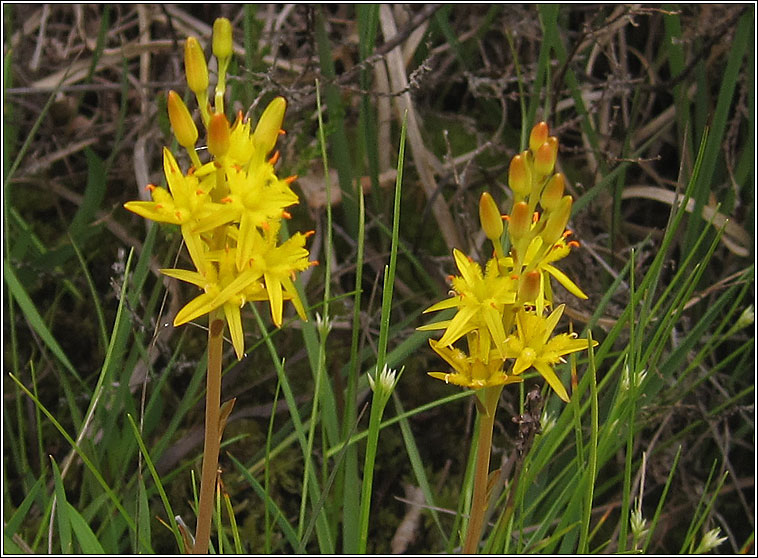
<point>195,67</point>
<point>553,192</point>
<point>489,215</point>
<point>538,136</point>
<point>181,121</point>
<point>267,130</point>
<point>545,156</point>
<point>529,289</point>
<point>518,176</point>
<point>557,221</point>
<point>218,135</point>
<point>520,220</point>
<point>222,38</point>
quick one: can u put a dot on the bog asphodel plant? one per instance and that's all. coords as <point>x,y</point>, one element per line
<point>229,209</point>
<point>505,316</point>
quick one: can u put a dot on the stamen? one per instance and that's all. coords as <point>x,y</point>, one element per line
<point>574,244</point>
<point>309,233</point>
<point>567,233</point>
<point>505,217</point>
<point>290,179</point>
<point>227,199</point>
<point>286,215</point>
<point>274,158</point>
<point>150,187</point>
<point>535,217</point>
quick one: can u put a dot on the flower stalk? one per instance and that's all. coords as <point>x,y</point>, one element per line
<point>212,442</point>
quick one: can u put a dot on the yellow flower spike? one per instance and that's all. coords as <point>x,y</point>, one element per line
<point>520,221</point>
<point>268,128</point>
<point>538,136</point>
<point>222,50</point>
<point>218,135</point>
<point>556,222</point>
<point>492,223</point>
<point>519,178</point>
<point>553,192</point>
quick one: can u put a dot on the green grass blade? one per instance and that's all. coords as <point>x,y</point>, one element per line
<point>158,484</point>
<point>35,320</point>
<point>62,512</point>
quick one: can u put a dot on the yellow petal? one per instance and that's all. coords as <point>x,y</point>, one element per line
<point>274,288</point>
<point>185,275</point>
<point>552,379</point>
<point>233,318</point>
<point>435,326</point>
<point>153,211</point>
<point>194,308</point>
<point>564,280</point>
<point>459,325</point>
<point>451,302</point>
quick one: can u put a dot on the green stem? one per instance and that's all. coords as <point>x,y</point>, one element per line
<point>377,410</point>
<point>481,468</point>
<point>212,442</point>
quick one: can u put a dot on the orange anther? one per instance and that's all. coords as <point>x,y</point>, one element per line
<point>274,158</point>
<point>286,215</point>
<point>199,192</point>
<point>574,243</point>
<point>314,263</point>
<point>567,233</point>
<point>290,179</point>
<point>282,132</point>
<point>309,233</point>
<point>265,225</point>
<point>227,199</point>
<point>514,276</point>
<point>535,217</point>
<point>505,217</point>
<point>158,206</point>
<point>450,277</point>
<point>150,187</point>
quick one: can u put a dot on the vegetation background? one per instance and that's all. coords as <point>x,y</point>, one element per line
<point>637,94</point>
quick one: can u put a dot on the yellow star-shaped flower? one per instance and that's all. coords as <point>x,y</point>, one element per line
<point>471,372</point>
<point>480,299</point>
<point>532,346</point>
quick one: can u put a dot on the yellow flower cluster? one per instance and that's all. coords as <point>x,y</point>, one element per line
<point>501,309</point>
<point>229,208</point>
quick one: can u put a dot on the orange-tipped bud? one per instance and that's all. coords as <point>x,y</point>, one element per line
<point>218,135</point>
<point>222,38</point>
<point>489,215</point>
<point>181,121</point>
<point>520,220</point>
<point>518,176</point>
<point>553,192</point>
<point>545,156</point>
<point>538,136</point>
<point>558,220</point>
<point>529,289</point>
<point>195,67</point>
<point>267,130</point>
